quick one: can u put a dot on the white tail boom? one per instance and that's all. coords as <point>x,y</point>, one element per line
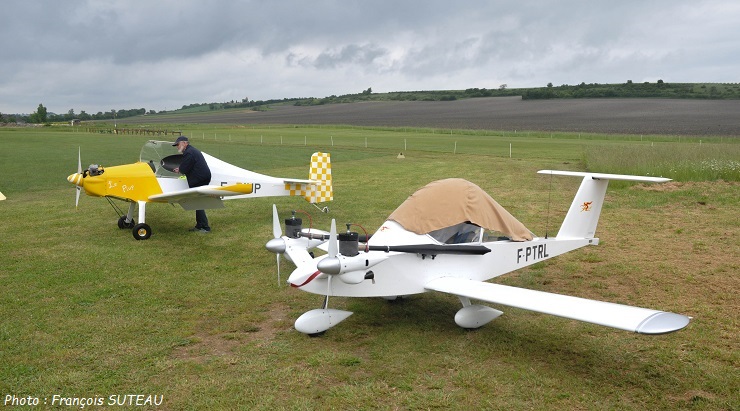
<point>584,212</point>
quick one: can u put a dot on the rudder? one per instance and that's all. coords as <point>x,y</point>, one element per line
<point>584,212</point>
<point>320,171</point>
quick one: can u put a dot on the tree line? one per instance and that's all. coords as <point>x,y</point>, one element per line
<point>630,89</point>
<point>42,116</point>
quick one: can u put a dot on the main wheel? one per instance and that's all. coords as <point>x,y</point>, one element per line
<point>142,231</point>
<point>123,224</point>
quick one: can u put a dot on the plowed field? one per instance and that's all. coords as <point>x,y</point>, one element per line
<point>618,116</point>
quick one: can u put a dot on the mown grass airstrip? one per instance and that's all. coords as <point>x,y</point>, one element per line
<point>89,312</point>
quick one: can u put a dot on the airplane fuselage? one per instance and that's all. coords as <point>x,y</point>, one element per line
<point>130,182</point>
<point>407,273</point>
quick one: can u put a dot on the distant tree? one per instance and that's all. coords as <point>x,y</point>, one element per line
<point>660,81</point>
<point>549,85</point>
<point>39,116</point>
<point>503,87</point>
<point>368,91</point>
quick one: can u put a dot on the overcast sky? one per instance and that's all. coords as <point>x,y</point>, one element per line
<point>124,54</point>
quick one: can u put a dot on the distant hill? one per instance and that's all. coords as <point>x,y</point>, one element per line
<point>601,115</point>
<point>660,89</point>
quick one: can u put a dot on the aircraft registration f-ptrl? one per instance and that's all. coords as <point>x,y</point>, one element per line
<point>152,179</point>
<point>450,236</point>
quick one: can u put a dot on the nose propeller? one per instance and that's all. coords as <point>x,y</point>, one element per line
<point>76,179</point>
<point>277,244</point>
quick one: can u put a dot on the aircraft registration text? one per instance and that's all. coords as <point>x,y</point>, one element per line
<point>535,252</point>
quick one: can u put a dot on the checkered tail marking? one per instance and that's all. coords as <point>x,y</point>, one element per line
<point>320,172</point>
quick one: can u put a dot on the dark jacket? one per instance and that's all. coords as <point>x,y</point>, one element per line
<point>195,168</point>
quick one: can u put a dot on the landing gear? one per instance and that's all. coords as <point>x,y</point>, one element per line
<point>122,223</point>
<point>473,316</point>
<point>142,231</point>
<point>314,323</point>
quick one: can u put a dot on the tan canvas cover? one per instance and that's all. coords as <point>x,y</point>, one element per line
<point>444,203</point>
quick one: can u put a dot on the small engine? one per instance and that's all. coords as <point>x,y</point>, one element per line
<point>293,226</point>
<point>348,242</point>
<point>95,170</point>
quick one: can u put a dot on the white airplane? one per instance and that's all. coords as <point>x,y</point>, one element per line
<point>450,236</point>
<point>152,179</point>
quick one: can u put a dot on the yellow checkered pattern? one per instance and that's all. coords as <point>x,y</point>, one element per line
<point>320,172</point>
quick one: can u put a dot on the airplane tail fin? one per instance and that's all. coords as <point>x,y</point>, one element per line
<point>584,212</point>
<point>320,171</point>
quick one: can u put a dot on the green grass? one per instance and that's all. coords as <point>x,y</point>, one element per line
<point>679,161</point>
<point>86,311</point>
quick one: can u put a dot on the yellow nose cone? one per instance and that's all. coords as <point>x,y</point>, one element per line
<point>75,179</point>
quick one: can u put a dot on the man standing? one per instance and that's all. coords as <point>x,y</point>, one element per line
<point>195,168</point>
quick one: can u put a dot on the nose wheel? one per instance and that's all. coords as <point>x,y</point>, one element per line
<point>142,231</point>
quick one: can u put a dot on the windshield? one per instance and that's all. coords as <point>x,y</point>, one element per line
<point>457,234</point>
<point>162,157</point>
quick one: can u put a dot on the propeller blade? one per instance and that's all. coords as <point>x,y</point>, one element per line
<point>333,242</point>
<point>79,171</point>
<point>277,233</point>
<point>277,230</point>
<point>277,258</point>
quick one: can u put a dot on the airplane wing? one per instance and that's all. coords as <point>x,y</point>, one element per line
<point>625,317</point>
<point>203,197</point>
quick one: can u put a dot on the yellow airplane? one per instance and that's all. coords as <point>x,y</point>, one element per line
<point>152,179</point>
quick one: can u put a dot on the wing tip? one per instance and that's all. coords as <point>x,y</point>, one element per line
<point>603,176</point>
<point>662,323</point>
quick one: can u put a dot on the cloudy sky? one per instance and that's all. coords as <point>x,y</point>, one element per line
<point>160,55</point>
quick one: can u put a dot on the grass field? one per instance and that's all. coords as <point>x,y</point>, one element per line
<point>88,312</point>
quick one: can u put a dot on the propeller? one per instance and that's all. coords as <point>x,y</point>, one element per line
<point>79,171</point>
<point>333,242</point>
<point>277,229</point>
<point>277,244</point>
<point>332,256</point>
<point>331,264</point>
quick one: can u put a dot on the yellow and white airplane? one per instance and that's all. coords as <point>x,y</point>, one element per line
<point>152,179</point>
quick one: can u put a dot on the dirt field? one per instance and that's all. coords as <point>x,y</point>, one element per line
<point>618,116</point>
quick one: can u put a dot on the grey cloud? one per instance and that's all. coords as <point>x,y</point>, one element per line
<point>351,54</point>
<point>202,51</point>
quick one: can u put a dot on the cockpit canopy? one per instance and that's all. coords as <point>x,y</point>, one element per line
<point>455,210</point>
<point>162,157</point>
